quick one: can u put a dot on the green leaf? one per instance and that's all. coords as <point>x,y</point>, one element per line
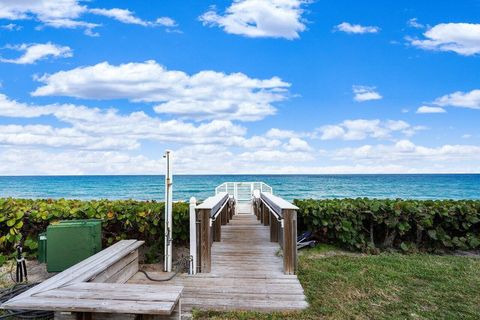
<point>11,222</point>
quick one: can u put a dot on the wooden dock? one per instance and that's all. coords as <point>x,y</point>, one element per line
<point>247,273</point>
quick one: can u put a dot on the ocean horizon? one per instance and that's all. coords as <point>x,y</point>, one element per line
<point>288,186</point>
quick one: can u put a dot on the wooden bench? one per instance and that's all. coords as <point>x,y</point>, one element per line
<point>96,289</point>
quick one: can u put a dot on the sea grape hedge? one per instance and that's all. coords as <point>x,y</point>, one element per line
<point>358,224</point>
<point>23,219</point>
<point>372,225</point>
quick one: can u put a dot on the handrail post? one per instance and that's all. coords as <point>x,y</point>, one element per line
<point>205,255</point>
<point>289,241</point>
<point>193,236</point>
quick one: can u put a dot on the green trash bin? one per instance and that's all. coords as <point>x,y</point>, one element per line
<point>71,241</point>
<point>42,247</point>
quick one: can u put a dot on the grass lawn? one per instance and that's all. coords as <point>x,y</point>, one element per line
<point>385,286</point>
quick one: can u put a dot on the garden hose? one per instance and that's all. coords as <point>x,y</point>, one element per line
<point>9,293</point>
<point>181,265</point>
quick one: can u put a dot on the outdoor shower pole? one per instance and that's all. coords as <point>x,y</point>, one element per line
<point>168,212</point>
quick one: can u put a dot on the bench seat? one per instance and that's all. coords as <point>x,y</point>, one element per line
<point>105,298</point>
<point>87,288</point>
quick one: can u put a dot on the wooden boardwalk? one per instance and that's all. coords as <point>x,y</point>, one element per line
<point>246,274</point>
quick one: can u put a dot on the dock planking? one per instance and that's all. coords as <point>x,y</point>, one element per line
<point>246,274</point>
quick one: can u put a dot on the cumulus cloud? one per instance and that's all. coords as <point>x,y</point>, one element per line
<point>108,128</point>
<point>365,93</point>
<point>428,109</point>
<point>356,28</point>
<point>37,51</point>
<point>459,99</point>
<point>405,150</point>
<point>260,18</point>
<point>461,38</point>
<point>64,14</point>
<point>276,133</point>
<point>204,95</point>
<point>361,129</point>
<point>297,145</point>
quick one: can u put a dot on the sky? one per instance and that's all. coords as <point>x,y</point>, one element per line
<point>242,86</point>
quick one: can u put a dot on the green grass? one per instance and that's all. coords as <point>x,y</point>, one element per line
<point>385,286</point>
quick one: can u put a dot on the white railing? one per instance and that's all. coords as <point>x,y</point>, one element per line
<point>243,191</point>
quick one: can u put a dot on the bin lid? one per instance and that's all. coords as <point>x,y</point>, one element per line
<point>73,223</point>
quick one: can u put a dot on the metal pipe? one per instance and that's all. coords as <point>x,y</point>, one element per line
<point>193,235</point>
<point>168,212</point>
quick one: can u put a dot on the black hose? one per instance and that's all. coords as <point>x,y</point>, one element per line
<point>158,280</point>
<point>180,265</point>
<point>9,293</point>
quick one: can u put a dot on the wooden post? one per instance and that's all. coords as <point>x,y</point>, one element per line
<point>266,216</point>
<point>232,211</point>
<point>205,240</point>
<point>227,212</point>
<point>262,208</point>
<point>259,210</point>
<point>218,229</point>
<point>289,241</point>
<point>223,215</point>
<point>273,228</point>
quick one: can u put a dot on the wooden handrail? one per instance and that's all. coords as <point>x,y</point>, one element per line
<point>277,204</point>
<point>211,215</point>
<point>281,216</point>
<point>215,203</point>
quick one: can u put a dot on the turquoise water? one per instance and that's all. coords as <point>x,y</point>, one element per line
<point>441,186</point>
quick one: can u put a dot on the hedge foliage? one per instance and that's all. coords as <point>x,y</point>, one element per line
<point>372,225</point>
<point>358,224</point>
<point>23,219</point>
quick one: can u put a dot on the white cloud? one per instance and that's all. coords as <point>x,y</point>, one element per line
<point>297,145</point>
<point>75,162</point>
<point>109,128</point>
<point>361,129</point>
<point>275,156</point>
<point>260,18</point>
<point>365,93</point>
<point>128,17</point>
<point>38,51</point>
<point>276,133</point>
<point>70,138</point>
<point>122,15</point>
<point>356,28</point>
<point>415,24</point>
<point>460,99</point>
<point>204,95</point>
<point>405,151</point>
<point>427,109</point>
<point>11,27</point>
<point>64,14</point>
<point>461,38</point>
<point>166,22</point>
<point>57,14</point>
<point>99,141</point>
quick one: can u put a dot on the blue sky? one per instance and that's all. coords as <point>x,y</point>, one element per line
<point>244,86</point>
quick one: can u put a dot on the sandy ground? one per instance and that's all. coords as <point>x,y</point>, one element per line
<point>37,272</point>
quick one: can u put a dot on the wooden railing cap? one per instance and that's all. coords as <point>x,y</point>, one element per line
<point>214,203</point>
<point>276,203</point>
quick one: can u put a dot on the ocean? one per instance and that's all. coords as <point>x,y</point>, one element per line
<point>407,186</point>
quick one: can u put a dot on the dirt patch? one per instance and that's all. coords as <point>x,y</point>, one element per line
<point>37,272</point>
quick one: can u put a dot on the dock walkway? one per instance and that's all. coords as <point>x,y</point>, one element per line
<point>247,273</point>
